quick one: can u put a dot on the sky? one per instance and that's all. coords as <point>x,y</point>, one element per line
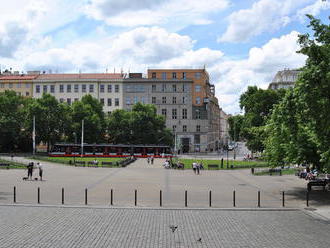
<point>239,42</point>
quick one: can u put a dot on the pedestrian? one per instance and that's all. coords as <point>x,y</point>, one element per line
<point>152,159</point>
<point>194,166</point>
<point>197,168</point>
<point>30,170</point>
<point>148,160</point>
<point>40,170</point>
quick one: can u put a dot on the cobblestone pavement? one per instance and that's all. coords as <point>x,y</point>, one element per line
<point>51,226</point>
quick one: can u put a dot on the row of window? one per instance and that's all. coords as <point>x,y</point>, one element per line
<point>76,88</point>
<point>109,101</point>
<point>18,85</point>
<point>175,113</point>
<point>162,88</point>
<point>176,75</point>
<point>164,100</point>
<point>184,128</point>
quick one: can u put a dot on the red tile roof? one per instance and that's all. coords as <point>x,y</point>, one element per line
<point>80,76</point>
<point>17,77</point>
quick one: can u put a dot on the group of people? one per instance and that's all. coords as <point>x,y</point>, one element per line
<point>197,167</point>
<point>150,160</point>
<point>31,167</point>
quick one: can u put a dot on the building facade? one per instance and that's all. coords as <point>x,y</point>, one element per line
<point>284,79</point>
<point>21,84</point>
<point>105,87</point>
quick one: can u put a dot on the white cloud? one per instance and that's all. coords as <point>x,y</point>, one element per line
<point>233,76</point>
<point>264,15</point>
<point>313,9</point>
<point>151,12</point>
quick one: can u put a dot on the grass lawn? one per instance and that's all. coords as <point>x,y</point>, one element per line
<point>12,165</point>
<point>235,163</point>
<point>290,171</point>
<point>66,160</point>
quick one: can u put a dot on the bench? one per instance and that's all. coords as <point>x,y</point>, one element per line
<point>4,165</point>
<point>92,164</point>
<point>274,171</point>
<point>210,166</point>
<point>319,182</point>
<point>106,163</point>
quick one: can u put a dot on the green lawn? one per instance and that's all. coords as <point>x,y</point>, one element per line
<point>70,160</point>
<point>12,165</point>
<point>234,163</point>
<point>290,171</point>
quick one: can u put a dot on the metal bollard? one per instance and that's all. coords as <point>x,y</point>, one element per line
<point>210,198</point>
<point>86,196</point>
<point>259,199</point>
<point>62,196</point>
<point>135,200</point>
<point>111,197</point>
<point>234,198</point>
<point>185,198</point>
<point>14,194</point>
<point>307,198</point>
<point>283,203</point>
<point>160,198</point>
<point>38,195</point>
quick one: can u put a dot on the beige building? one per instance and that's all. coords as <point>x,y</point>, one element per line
<point>224,128</point>
<point>21,84</point>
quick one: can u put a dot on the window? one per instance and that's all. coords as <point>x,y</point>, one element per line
<point>2,85</point>
<point>61,100</point>
<point>184,88</point>
<point>27,93</point>
<point>68,88</point>
<point>109,102</point>
<point>197,139</point>
<point>102,101</point>
<point>183,100</point>
<point>18,85</point>
<point>198,114</point>
<point>163,87</point>
<point>164,100</point>
<point>44,88</point>
<point>163,75</point>
<point>198,128</point>
<point>76,88</point>
<point>153,100</point>
<point>164,112</point>
<point>91,88</point>
<point>38,89</point>
<point>128,100</point>
<point>198,100</point>
<point>184,113</point>
<point>27,86</point>
<point>109,88</point>
<point>68,101</point>
<point>173,75</point>
<point>116,88</point>
<point>184,75</point>
<point>153,75</point>
<point>143,99</point>
<point>83,88</point>
<point>10,85</point>
<point>76,99</point>
<point>198,88</point>
<point>153,88</point>
<point>184,128</point>
<point>174,88</point>
<point>198,75</point>
<point>102,88</point>
<point>174,128</point>
<point>61,88</point>
<point>116,101</point>
<point>52,89</point>
<point>174,114</point>
<point>136,99</point>
<point>174,100</point>
<point>109,112</point>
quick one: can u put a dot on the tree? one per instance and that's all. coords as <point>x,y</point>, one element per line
<point>235,127</point>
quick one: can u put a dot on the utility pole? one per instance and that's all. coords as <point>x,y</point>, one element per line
<point>34,136</point>
<point>82,138</point>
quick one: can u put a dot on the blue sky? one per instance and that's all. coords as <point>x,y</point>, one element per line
<point>241,42</point>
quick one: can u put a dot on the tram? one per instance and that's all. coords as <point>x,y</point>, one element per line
<point>110,150</point>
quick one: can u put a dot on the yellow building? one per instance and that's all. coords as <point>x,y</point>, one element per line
<point>21,84</point>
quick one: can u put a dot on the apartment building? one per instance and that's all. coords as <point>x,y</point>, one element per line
<point>106,87</point>
<point>22,84</point>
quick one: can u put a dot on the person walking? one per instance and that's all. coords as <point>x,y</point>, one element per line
<point>148,160</point>
<point>30,170</point>
<point>194,166</point>
<point>40,170</point>
<point>152,159</point>
<point>197,168</point>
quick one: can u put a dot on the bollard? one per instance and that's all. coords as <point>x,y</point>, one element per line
<point>307,198</point>
<point>14,194</point>
<point>135,200</point>
<point>259,199</point>
<point>111,197</point>
<point>283,205</point>
<point>38,195</point>
<point>160,198</point>
<point>62,196</point>
<point>185,198</point>
<point>86,196</point>
<point>234,198</point>
<point>210,198</point>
